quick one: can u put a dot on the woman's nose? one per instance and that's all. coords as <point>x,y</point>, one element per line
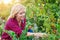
<point>23,15</point>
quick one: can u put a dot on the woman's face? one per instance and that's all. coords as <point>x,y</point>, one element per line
<point>21,14</point>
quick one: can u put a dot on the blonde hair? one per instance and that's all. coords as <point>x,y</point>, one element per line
<point>15,9</point>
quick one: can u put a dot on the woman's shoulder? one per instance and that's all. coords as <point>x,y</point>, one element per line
<point>9,23</point>
<point>11,20</point>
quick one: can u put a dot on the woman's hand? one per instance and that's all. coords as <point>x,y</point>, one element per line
<point>40,34</point>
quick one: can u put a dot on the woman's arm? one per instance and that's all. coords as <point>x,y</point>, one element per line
<point>30,34</point>
<point>37,34</point>
<point>23,23</point>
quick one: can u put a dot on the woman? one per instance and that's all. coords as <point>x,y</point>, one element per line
<point>16,22</point>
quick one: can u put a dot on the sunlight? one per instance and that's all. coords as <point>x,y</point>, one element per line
<point>7,1</point>
<point>0,1</point>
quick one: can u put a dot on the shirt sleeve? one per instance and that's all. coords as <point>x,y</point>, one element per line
<point>10,25</point>
<point>23,23</point>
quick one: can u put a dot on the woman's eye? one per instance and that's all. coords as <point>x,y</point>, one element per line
<point>20,13</point>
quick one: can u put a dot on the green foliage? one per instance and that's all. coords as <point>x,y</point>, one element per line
<point>41,12</point>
